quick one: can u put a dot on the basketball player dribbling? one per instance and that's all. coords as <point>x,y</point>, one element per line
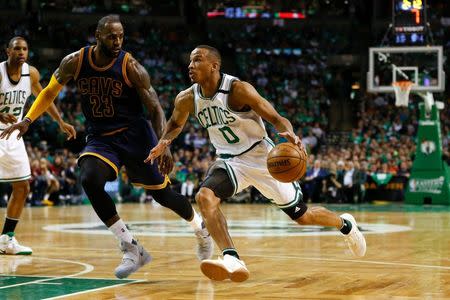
<point>18,81</point>
<point>232,111</point>
<point>114,87</point>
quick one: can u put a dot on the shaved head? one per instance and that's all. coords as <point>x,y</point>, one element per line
<point>107,19</point>
<point>212,52</point>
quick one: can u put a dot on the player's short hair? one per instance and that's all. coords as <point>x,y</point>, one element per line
<point>212,51</point>
<point>107,19</point>
<point>16,38</point>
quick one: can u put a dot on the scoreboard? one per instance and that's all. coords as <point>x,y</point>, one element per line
<point>409,22</point>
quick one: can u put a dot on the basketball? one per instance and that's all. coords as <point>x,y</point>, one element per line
<point>286,163</point>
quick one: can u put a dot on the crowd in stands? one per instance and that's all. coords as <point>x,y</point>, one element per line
<point>293,75</point>
<point>309,8</point>
<point>136,7</point>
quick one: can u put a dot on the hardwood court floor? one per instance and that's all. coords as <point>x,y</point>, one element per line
<point>407,261</point>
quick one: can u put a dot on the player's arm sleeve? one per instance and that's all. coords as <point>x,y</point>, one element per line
<point>44,99</point>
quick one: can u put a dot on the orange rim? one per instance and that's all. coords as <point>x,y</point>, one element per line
<point>403,85</point>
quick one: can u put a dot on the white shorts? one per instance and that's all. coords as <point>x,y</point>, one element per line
<point>14,163</point>
<point>250,169</point>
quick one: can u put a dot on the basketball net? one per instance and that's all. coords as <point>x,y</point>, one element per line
<point>402,89</point>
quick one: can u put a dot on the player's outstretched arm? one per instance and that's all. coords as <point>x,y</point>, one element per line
<point>184,105</point>
<point>244,94</point>
<point>36,88</point>
<point>62,75</point>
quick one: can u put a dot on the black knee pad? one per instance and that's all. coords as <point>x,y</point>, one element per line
<point>94,175</point>
<point>296,211</point>
<point>220,183</point>
<point>173,200</point>
<point>95,172</point>
<point>163,196</point>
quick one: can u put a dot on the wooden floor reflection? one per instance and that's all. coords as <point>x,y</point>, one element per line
<point>407,261</point>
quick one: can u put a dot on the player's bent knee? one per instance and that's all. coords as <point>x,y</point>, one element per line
<point>204,195</point>
<point>310,217</point>
<point>306,219</point>
<point>95,173</point>
<point>296,212</point>
<point>206,199</point>
<point>87,182</point>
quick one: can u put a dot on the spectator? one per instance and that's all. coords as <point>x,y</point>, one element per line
<point>332,189</point>
<point>127,191</point>
<point>349,189</point>
<point>38,183</point>
<point>313,182</point>
<point>72,188</point>
<point>50,196</point>
<point>191,183</point>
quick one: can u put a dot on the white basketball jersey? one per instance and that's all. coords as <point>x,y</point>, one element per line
<point>13,95</point>
<point>230,132</point>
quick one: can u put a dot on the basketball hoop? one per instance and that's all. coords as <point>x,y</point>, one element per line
<point>402,89</point>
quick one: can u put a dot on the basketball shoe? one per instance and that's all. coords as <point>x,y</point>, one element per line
<point>134,257</point>
<point>205,245</point>
<point>229,267</point>
<point>9,245</point>
<point>354,239</point>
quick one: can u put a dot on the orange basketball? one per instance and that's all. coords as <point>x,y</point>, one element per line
<point>286,163</point>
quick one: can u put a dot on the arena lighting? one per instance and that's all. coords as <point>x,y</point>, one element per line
<point>356,86</point>
<point>215,14</point>
<point>289,15</point>
<point>242,13</point>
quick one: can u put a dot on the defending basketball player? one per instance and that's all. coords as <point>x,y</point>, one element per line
<point>17,81</point>
<point>114,87</point>
<point>232,111</point>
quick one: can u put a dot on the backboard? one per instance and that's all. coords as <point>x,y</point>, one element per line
<point>423,65</point>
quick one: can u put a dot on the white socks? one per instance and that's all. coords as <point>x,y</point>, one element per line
<point>121,231</point>
<point>196,222</point>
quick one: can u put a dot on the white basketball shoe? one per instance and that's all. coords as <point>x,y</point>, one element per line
<point>205,245</point>
<point>229,267</point>
<point>134,257</point>
<point>354,239</point>
<point>9,245</point>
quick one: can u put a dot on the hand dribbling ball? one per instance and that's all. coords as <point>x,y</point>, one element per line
<point>286,163</point>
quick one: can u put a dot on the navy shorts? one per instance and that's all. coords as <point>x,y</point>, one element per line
<point>129,147</point>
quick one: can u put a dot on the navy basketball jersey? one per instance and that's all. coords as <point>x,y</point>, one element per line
<point>108,101</point>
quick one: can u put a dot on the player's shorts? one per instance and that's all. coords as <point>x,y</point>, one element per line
<point>129,147</point>
<point>14,163</point>
<point>250,169</point>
